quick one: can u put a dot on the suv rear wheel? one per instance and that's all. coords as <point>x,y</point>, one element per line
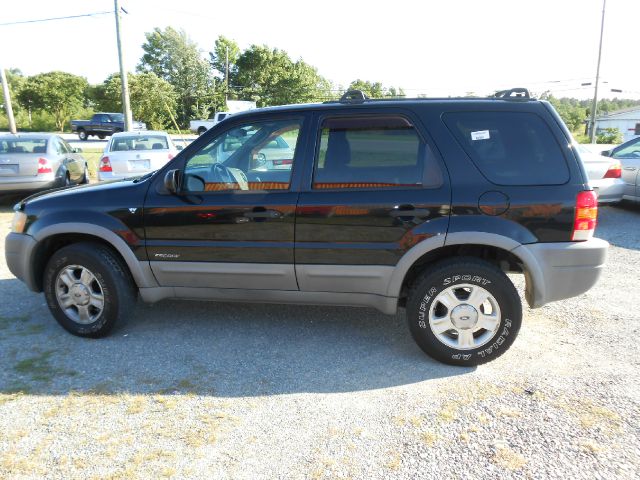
<point>88,289</point>
<point>464,311</point>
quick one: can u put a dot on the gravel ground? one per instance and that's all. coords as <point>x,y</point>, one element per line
<point>212,390</point>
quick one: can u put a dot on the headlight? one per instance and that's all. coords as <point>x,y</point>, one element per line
<point>18,222</point>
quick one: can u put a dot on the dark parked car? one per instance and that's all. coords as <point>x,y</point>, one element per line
<point>424,204</point>
<point>629,156</point>
<point>39,161</point>
<point>102,125</point>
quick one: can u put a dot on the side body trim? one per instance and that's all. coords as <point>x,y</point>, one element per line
<point>225,275</point>
<point>383,304</point>
<point>344,278</point>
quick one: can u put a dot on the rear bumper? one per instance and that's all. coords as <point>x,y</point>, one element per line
<point>556,271</point>
<point>7,186</point>
<point>18,250</point>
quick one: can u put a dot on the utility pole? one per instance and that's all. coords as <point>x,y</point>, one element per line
<point>7,101</point>
<point>594,106</point>
<point>226,78</point>
<point>128,120</point>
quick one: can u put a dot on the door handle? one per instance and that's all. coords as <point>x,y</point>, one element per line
<point>629,168</point>
<point>410,212</point>
<point>263,214</point>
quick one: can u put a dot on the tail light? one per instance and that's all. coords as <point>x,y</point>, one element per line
<point>171,156</point>
<point>586,214</point>
<point>615,170</point>
<point>105,165</point>
<point>283,162</point>
<point>44,166</point>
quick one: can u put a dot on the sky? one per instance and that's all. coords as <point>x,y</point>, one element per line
<point>437,48</point>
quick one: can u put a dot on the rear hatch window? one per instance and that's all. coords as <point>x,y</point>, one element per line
<point>510,148</point>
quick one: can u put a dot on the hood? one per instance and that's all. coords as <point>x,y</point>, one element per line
<point>88,194</point>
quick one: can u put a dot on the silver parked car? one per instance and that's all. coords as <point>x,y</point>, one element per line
<point>37,161</point>
<point>629,156</point>
<point>605,175</point>
<point>131,154</point>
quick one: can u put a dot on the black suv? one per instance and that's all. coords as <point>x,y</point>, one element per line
<point>424,204</point>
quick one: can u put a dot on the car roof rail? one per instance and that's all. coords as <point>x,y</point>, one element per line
<point>354,96</point>
<point>517,93</point>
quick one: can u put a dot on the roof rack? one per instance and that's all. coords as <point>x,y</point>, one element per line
<point>513,93</point>
<point>354,96</point>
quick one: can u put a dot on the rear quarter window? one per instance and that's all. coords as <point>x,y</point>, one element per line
<point>510,148</point>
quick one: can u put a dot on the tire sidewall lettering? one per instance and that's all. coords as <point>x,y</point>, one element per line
<point>447,282</point>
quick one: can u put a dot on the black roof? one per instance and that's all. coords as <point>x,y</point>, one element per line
<point>357,98</point>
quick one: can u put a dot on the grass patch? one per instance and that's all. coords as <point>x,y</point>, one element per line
<point>6,322</point>
<point>92,156</point>
<point>5,398</point>
<point>39,369</point>
<point>509,459</point>
<point>429,438</point>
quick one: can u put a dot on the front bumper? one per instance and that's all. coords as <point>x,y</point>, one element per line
<point>18,250</point>
<point>556,271</point>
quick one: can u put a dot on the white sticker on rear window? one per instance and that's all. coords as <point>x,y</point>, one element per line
<point>480,135</point>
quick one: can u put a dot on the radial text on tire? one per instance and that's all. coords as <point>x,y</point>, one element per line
<point>464,311</point>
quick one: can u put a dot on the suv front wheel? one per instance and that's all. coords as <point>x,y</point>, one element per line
<point>88,289</point>
<point>464,311</point>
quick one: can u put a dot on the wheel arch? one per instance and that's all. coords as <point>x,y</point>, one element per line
<point>493,248</point>
<point>52,238</point>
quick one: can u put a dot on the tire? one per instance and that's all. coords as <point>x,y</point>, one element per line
<point>201,130</point>
<point>101,136</point>
<point>480,331</point>
<point>66,181</point>
<point>117,130</point>
<point>96,285</point>
<point>82,135</point>
<point>85,176</point>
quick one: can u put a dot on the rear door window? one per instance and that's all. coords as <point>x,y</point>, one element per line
<point>510,148</point>
<point>380,151</point>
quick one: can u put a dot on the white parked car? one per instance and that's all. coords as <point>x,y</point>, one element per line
<point>131,154</point>
<point>629,156</point>
<point>605,175</point>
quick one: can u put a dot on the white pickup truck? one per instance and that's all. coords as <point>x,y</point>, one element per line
<point>201,126</point>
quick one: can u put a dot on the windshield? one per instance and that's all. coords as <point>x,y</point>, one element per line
<point>23,145</point>
<point>139,142</point>
<point>117,117</point>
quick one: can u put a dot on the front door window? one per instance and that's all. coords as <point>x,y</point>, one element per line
<point>258,156</point>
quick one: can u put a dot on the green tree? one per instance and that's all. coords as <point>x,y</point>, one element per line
<point>60,93</point>
<point>375,89</point>
<point>218,57</point>
<point>172,56</point>
<point>608,136</point>
<point>269,77</point>
<point>153,100</point>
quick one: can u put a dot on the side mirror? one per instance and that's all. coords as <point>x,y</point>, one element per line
<point>172,181</point>
<point>606,153</point>
<point>77,150</point>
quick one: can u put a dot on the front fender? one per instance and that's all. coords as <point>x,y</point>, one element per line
<point>140,270</point>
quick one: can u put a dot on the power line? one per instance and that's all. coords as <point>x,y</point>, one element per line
<point>55,18</point>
